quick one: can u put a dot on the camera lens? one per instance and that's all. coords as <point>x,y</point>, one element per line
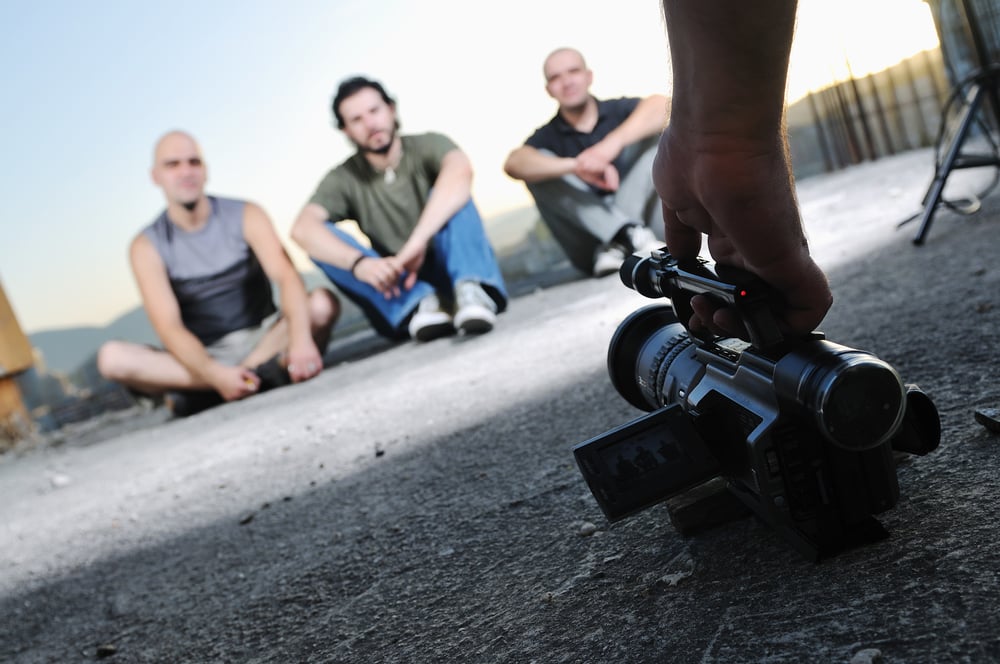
<point>857,399</point>
<point>640,352</point>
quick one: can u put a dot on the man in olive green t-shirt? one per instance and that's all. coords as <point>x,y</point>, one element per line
<point>430,270</point>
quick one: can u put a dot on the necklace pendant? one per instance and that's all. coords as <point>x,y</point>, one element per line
<point>390,175</point>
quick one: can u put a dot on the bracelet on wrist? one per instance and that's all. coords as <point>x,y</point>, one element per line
<point>356,262</point>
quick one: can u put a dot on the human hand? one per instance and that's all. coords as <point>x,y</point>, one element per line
<point>304,361</point>
<point>607,180</point>
<point>594,167</point>
<point>411,258</point>
<point>739,192</point>
<point>234,382</point>
<point>381,273</point>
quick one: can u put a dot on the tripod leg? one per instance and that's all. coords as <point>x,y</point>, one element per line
<point>933,196</point>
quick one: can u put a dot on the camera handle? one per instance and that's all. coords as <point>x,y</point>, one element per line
<point>662,275</point>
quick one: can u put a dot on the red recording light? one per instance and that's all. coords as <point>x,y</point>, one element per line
<point>743,293</point>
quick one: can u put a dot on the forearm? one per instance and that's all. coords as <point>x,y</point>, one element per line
<point>452,190</point>
<point>311,233</point>
<point>730,61</point>
<point>163,311</point>
<point>294,307</point>
<point>647,120</point>
<point>531,165</point>
<point>190,352</point>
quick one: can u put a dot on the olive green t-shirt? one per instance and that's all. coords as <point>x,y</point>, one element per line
<point>385,208</point>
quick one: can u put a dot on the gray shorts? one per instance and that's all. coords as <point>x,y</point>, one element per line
<point>232,348</point>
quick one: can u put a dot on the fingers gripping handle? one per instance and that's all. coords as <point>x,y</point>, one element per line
<point>662,275</point>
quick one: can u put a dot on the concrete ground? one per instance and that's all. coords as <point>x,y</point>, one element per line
<point>420,503</point>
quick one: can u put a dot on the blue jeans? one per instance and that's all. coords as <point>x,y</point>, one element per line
<point>460,251</point>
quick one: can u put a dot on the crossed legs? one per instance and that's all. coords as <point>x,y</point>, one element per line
<point>153,371</point>
<point>582,221</point>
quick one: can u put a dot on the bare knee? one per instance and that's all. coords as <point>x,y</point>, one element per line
<point>324,309</point>
<point>111,360</point>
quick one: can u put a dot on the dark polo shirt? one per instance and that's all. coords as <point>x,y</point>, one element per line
<point>563,140</point>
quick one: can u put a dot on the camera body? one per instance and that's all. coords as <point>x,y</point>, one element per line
<point>804,431</point>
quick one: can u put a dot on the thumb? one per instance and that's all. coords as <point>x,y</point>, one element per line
<point>249,377</point>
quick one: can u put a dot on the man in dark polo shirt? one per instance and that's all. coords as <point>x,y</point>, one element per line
<point>589,168</point>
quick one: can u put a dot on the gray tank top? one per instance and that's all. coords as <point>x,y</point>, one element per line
<point>219,284</point>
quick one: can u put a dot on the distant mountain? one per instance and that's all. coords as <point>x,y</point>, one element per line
<point>65,349</point>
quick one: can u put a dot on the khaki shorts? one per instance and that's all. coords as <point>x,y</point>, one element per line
<point>232,348</point>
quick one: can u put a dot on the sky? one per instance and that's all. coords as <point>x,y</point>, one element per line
<point>88,88</point>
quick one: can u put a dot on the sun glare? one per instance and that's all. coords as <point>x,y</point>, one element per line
<point>836,39</point>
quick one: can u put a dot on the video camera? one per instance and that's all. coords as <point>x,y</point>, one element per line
<point>803,431</point>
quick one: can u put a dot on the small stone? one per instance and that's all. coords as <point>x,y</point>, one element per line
<point>59,480</point>
<point>989,418</point>
<point>674,579</point>
<point>867,656</point>
<point>105,650</point>
<point>587,529</point>
<point>246,519</point>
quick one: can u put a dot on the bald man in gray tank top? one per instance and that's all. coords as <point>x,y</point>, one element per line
<point>204,269</point>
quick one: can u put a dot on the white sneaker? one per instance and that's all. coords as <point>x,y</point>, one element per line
<point>430,320</point>
<point>475,311</point>
<point>608,259</point>
<point>643,240</point>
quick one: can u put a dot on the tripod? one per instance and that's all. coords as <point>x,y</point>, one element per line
<point>982,86</point>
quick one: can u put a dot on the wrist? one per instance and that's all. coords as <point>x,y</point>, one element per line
<point>418,238</point>
<point>415,245</point>
<point>613,143</point>
<point>214,373</point>
<point>357,261</point>
<point>746,123</point>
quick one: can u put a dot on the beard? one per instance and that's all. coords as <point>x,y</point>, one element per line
<point>383,150</point>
